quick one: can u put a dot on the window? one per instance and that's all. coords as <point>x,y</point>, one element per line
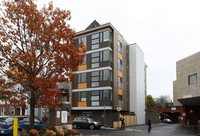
<point>192,79</point>
<point>120,64</point>
<point>119,46</point>
<point>12,111</point>
<point>106,75</point>
<point>107,36</point>
<point>95,79</point>
<point>95,84</point>
<point>65,97</point>
<point>97,76</point>
<point>100,57</point>
<point>96,73</point>
<point>106,55</point>
<point>95,103</point>
<point>95,60</point>
<point>82,78</point>
<point>94,36</point>
<point>82,96</point>
<point>84,40</point>
<point>99,38</point>
<point>95,65</point>
<point>95,46</point>
<point>95,41</point>
<point>85,60</point>
<point>96,54</point>
<point>120,100</point>
<point>95,98</point>
<point>105,95</point>
<point>3,111</point>
<point>120,83</point>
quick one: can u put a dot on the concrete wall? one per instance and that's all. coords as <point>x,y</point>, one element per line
<point>184,68</point>
<point>137,82</point>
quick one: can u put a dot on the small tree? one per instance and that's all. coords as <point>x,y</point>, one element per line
<point>150,102</point>
<point>36,51</point>
<point>162,101</point>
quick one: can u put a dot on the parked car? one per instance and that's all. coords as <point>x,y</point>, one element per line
<point>6,128</point>
<point>169,121</point>
<point>85,122</point>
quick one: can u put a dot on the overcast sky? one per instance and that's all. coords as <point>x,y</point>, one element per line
<point>165,30</point>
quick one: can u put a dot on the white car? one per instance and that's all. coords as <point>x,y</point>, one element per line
<point>169,121</point>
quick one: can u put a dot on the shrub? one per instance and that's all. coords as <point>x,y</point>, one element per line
<point>47,132</point>
<point>42,135</point>
<point>34,132</point>
<point>65,129</point>
<point>24,133</point>
<point>42,131</point>
<point>52,128</point>
<point>61,132</point>
<point>52,133</point>
<point>72,132</point>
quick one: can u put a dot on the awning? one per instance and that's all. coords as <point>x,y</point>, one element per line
<point>193,101</point>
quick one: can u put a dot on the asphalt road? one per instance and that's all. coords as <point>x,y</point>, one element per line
<point>157,130</point>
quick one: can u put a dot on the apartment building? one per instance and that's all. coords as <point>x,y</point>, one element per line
<point>103,82</point>
<point>186,88</point>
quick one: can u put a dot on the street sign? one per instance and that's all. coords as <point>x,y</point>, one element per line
<point>118,108</point>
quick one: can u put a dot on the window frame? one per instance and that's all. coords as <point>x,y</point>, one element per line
<point>82,98</point>
<point>190,82</point>
<point>3,111</point>
<point>97,95</point>
<point>84,41</point>
<point>80,78</point>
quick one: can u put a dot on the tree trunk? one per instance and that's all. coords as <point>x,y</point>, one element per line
<point>32,110</point>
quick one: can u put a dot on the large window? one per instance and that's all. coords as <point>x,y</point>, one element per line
<point>97,76</point>
<point>101,56</point>
<point>82,78</point>
<point>82,96</point>
<point>106,95</point>
<point>100,95</point>
<point>100,37</point>
<point>192,79</point>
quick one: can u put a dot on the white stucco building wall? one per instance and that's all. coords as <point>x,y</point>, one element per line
<point>137,82</point>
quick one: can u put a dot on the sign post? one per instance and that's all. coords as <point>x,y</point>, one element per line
<point>15,126</point>
<point>118,109</point>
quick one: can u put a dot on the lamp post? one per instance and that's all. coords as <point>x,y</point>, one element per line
<point>105,110</point>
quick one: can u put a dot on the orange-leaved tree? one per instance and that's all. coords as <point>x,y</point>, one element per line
<point>36,51</point>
